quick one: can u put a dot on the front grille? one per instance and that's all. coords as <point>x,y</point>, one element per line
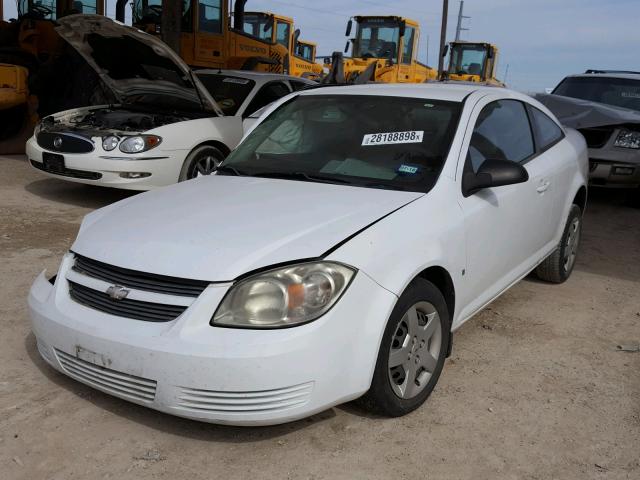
<point>139,310</point>
<point>64,142</point>
<point>596,137</point>
<point>68,172</point>
<point>210,401</point>
<point>139,280</point>
<point>110,381</point>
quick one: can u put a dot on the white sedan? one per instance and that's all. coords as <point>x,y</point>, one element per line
<point>351,232</point>
<point>164,125</point>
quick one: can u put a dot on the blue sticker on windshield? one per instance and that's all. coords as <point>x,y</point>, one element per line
<point>408,169</point>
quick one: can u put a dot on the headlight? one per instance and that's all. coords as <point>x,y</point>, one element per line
<point>284,297</point>
<point>110,142</point>
<point>37,129</point>
<point>628,139</point>
<point>138,144</point>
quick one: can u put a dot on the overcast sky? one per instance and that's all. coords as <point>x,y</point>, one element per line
<point>540,40</point>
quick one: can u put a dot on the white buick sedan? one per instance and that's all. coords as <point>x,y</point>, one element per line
<point>165,124</point>
<point>330,258</point>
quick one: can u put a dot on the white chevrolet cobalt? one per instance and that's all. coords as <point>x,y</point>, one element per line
<point>329,258</point>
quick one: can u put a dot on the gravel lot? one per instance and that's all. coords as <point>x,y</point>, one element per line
<point>535,388</point>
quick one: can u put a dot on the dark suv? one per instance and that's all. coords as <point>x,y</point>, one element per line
<point>605,108</point>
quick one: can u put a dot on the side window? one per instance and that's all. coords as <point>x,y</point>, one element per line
<point>407,49</point>
<point>547,131</point>
<point>502,132</point>
<point>209,16</point>
<point>282,34</point>
<point>298,85</point>
<point>267,94</point>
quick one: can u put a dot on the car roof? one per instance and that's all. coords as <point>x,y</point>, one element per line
<point>252,75</point>
<point>604,74</point>
<point>447,91</point>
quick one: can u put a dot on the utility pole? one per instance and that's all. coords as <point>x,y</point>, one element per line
<point>443,38</point>
<point>459,28</point>
<point>427,62</point>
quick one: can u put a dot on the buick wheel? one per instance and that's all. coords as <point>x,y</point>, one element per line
<point>200,162</point>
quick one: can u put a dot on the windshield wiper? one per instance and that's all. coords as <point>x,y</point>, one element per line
<point>229,169</point>
<point>300,176</point>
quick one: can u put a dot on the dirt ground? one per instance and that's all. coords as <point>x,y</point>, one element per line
<point>535,388</point>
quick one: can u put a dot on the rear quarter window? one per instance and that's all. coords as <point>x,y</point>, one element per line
<point>547,132</point>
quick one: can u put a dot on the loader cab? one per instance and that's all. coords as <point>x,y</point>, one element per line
<point>474,62</point>
<point>269,27</point>
<point>377,37</point>
<point>54,9</point>
<point>306,50</point>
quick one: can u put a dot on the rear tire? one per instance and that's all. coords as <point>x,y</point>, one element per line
<point>415,340</point>
<point>557,267</point>
<point>201,161</point>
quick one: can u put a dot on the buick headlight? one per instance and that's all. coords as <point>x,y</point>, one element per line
<point>109,143</point>
<point>37,129</point>
<point>284,297</point>
<point>628,139</point>
<point>140,143</point>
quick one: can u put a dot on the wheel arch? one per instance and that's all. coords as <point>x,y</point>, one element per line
<point>580,198</point>
<point>214,143</point>
<point>441,278</point>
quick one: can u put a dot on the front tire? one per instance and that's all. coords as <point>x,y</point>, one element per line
<point>557,267</point>
<point>412,352</point>
<point>201,161</point>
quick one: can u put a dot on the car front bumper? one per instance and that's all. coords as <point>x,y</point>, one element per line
<point>106,169</point>
<point>220,375</point>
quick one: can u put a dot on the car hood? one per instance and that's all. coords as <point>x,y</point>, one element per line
<point>577,113</point>
<point>219,227</point>
<point>135,66</point>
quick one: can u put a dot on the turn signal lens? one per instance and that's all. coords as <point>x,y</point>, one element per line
<point>284,297</point>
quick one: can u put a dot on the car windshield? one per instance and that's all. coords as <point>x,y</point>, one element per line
<point>377,38</point>
<point>618,92</point>
<point>228,91</point>
<point>372,141</point>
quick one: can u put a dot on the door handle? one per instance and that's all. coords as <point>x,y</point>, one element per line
<point>543,187</point>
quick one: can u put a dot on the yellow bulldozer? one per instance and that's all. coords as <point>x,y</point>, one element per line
<point>208,39</point>
<point>473,62</point>
<point>32,81</point>
<point>384,49</point>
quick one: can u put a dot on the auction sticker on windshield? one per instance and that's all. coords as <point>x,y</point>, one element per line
<point>391,138</point>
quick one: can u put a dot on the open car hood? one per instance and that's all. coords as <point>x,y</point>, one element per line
<point>577,113</point>
<point>135,66</point>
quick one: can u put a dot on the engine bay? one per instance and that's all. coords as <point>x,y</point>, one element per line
<point>109,120</point>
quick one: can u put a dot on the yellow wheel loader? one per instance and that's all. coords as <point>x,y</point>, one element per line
<point>473,62</point>
<point>33,82</point>
<point>208,39</point>
<point>384,49</point>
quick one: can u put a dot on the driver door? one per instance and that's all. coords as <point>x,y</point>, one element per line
<point>506,227</point>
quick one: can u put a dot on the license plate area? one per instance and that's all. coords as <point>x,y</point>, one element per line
<point>53,162</point>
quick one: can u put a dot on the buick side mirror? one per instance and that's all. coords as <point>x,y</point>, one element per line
<point>493,173</point>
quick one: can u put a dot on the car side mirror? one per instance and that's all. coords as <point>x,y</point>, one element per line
<point>346,47</point>
<point>493,173</point>
<point>349,26</point>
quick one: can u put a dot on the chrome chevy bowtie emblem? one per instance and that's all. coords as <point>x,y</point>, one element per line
<point>117,292</point>
<point>57,142</point>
